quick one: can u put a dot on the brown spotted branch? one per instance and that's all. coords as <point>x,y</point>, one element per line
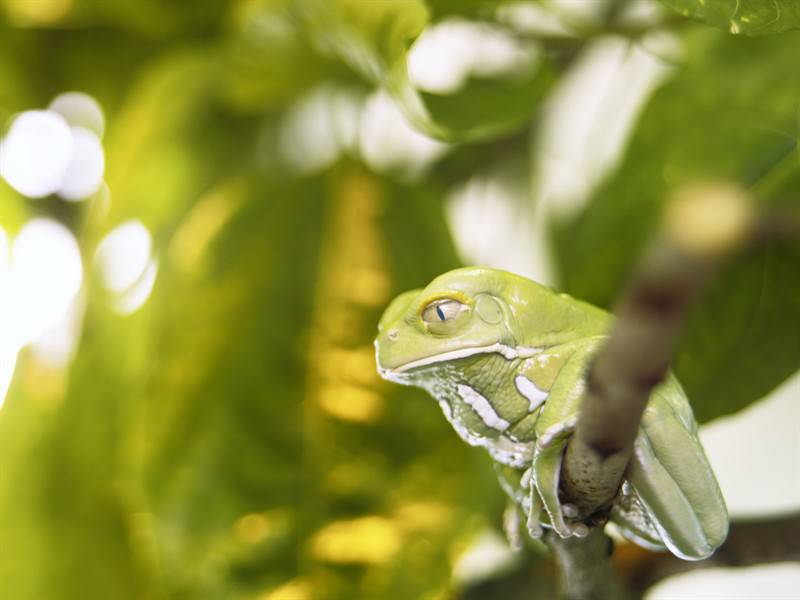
<point>702,226</point>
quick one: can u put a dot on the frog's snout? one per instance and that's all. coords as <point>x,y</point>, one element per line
<point>384,345</point>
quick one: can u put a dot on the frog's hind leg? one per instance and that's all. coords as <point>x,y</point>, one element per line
<point>633,520</point>
<point>673,481</point>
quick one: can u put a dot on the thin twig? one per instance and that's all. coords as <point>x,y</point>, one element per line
<point>585,572</point>
<point>703,226</point>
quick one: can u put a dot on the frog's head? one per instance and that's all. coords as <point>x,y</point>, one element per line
<point>459,314</point>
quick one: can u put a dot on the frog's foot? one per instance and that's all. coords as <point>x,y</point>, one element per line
<point>578,528</point>
<point>556,432</point>
<point>567,530</point>
<point>511,526</point>
<point>534,528</point>
<point>534,505</point>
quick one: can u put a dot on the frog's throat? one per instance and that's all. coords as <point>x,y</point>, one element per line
<point>507,352</point>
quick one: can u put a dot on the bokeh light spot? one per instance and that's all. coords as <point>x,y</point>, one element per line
<point>80,110</point>
<point>28,13</point>
<point>389,143</point>
<point>135,297</point>
<point>123,255</point>
<point>486,557</point>
<point>36,152</point>
<point>367,540</point>
<point>126,266</point>
<point>446,55</point>
<point>46,275</point>
<point>776,581</point>
<point>296,589</point>
<point>351,403</point>
<point>84,173</point>
<point>252,528</point>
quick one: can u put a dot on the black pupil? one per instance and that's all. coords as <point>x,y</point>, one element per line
<point>440,312</point>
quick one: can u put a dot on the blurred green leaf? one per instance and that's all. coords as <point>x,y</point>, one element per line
<point>261,57</point>
<point>221,425</point>
<point>66,512</point>
<point>751,17</point>
<point>730,115</point>
<point>485,108</point>
<point>375,41</point>
<point>371,37</point>
<point>170,142</point>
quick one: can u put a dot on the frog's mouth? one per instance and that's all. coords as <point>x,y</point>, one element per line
<point>508,352</point>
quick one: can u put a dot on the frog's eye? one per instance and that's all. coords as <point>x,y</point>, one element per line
<point>439,316</point>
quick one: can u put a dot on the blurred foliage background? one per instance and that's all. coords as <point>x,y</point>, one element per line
<point>202,418</point>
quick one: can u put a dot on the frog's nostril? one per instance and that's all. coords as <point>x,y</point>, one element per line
<point>392,334</point>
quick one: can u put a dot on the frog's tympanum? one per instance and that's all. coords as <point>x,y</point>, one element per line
<point>506,358</point>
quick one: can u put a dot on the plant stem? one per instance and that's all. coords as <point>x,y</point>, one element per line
<point>585,572</point>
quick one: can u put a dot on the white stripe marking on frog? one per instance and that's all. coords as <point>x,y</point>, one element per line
<point>527,388</point>
<point>482,406</point>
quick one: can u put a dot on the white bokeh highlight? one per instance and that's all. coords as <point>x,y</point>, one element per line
<point>532,18</point>
<point>134,297</point>
<point>84,173</point>
<point>80,110</point>
<point>445,55</point>
<point>39,283</point>
<point>756,454</point>
<point>491,206</point>
<point>56,151</point>
<point>779,581</point>
<point>388,143</point>
<point>487,555</point>
<point>126,265</point>
<point>588,119</point>
<point>46,273</point>
<point>319,128</point>
<point>122,255</point>
<point>35,153</point>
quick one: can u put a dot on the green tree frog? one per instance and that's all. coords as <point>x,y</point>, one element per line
<point>506,358</point>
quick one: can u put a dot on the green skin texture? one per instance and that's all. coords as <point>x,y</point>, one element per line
<point>507,365</point>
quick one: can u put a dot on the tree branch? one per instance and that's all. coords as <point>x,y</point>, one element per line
<point>702,226</point>
<point>585,572</point>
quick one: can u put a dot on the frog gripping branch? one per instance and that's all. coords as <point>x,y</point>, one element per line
<point>507,360</point>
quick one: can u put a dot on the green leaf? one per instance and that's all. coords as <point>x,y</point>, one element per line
<point>730,113</point>
<point>750,17</point>
<point>374,39</point>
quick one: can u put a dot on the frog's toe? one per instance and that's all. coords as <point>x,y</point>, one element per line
<point>563,529</point>
<point>525,480</point>
<point>535,529</point>
<point>580,530</point>
<point>570,510</point>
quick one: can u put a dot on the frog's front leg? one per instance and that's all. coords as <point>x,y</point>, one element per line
<point>553,430</point>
